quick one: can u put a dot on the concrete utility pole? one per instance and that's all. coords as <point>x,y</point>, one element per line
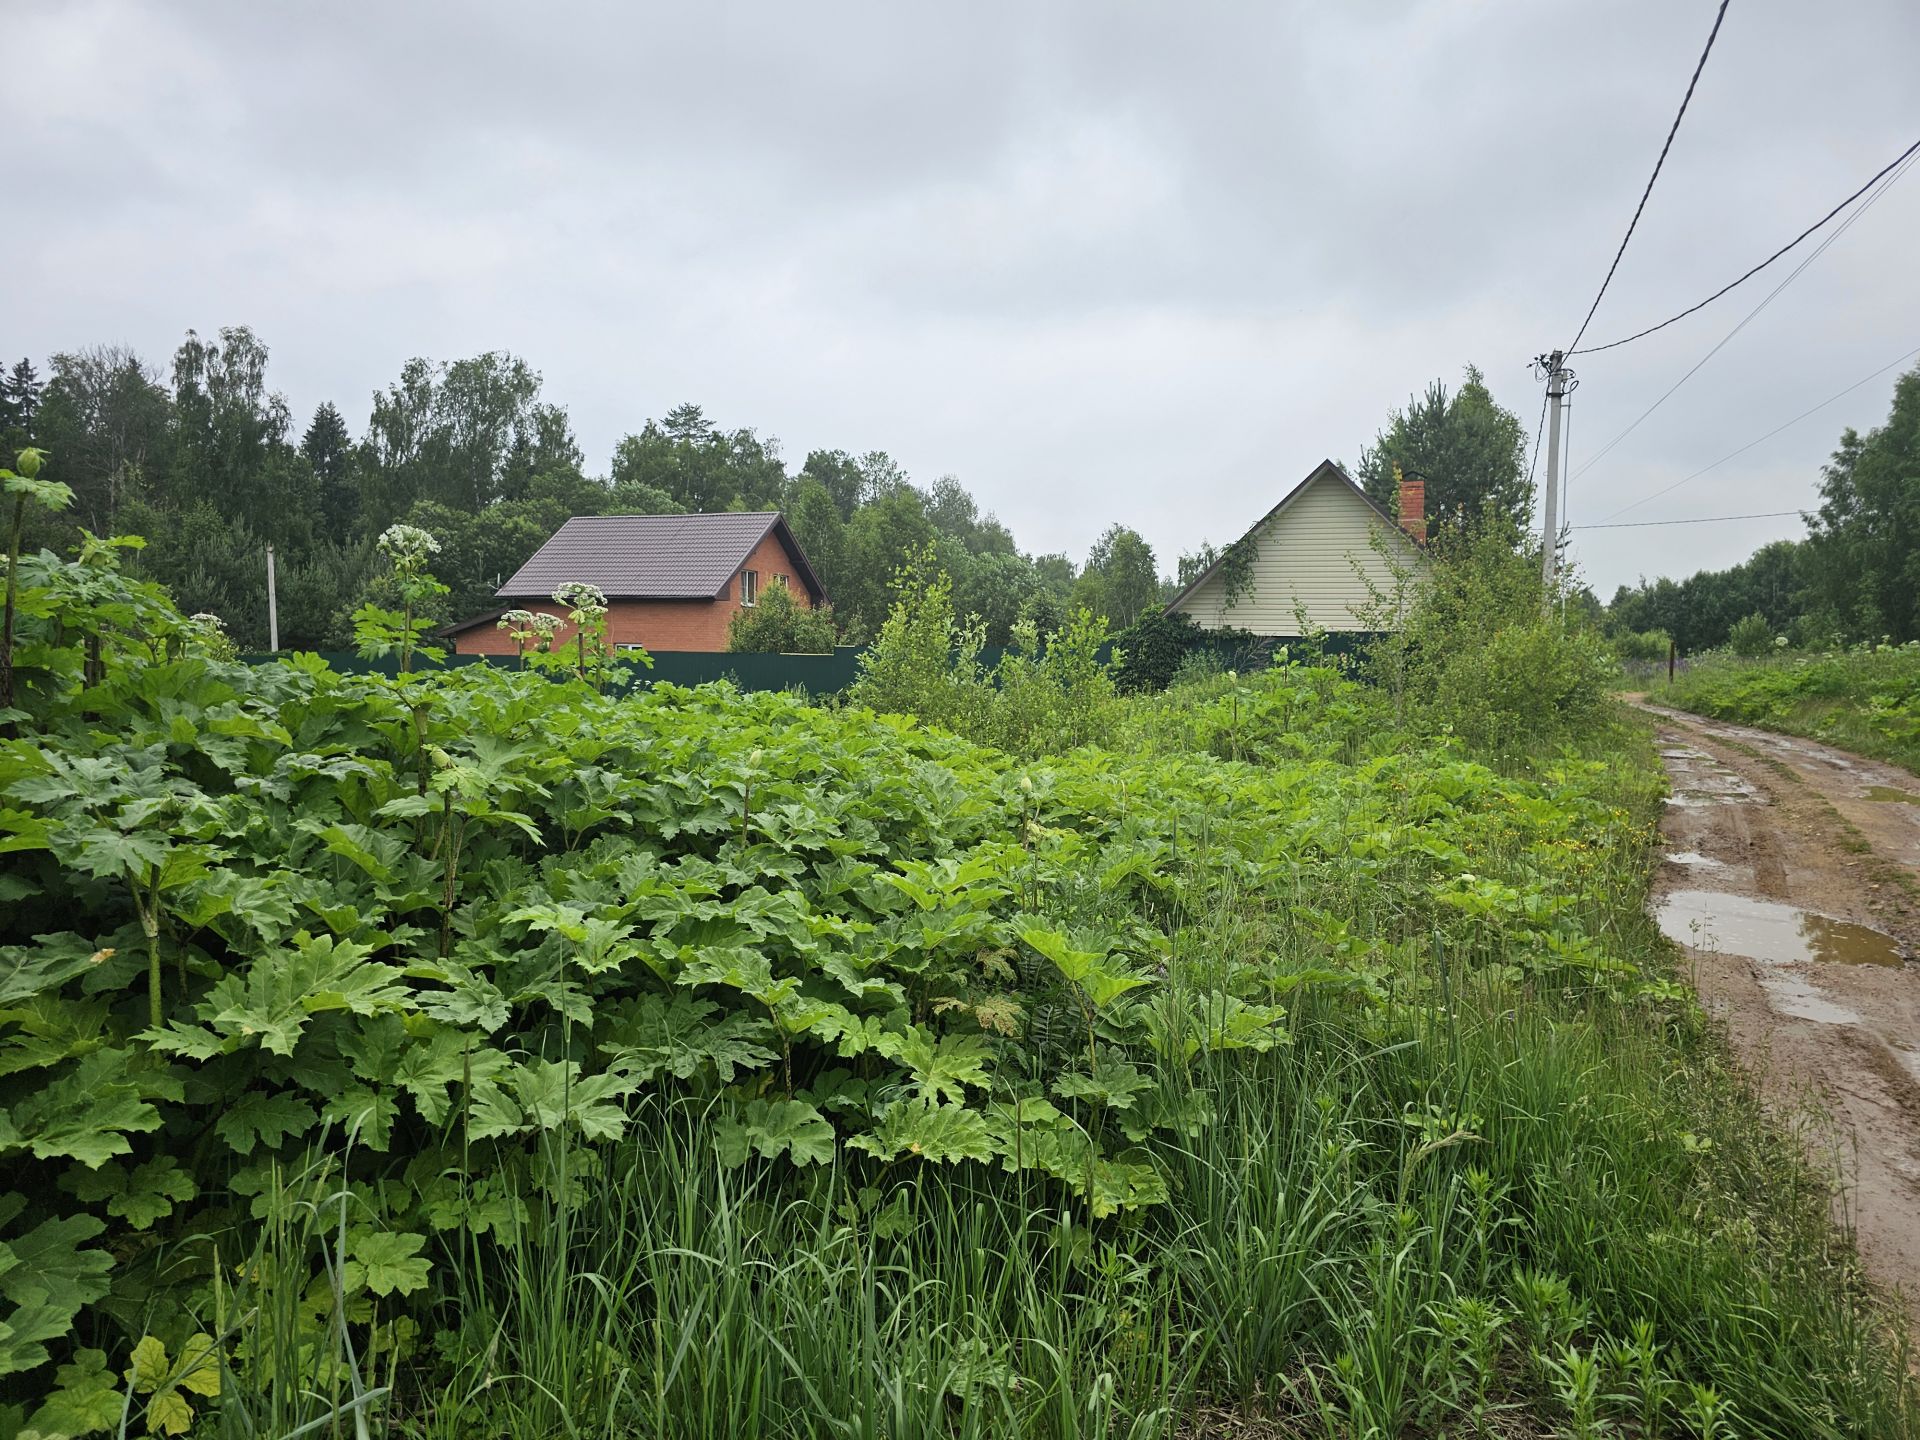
<point>1558,383</point>
<point>273,598</point>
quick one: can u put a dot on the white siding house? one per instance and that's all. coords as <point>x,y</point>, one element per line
<point>1306,550</point>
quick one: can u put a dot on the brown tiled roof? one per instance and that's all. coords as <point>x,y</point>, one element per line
<point>654,557</point>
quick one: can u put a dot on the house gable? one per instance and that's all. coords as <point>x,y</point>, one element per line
<point>1305,553</point>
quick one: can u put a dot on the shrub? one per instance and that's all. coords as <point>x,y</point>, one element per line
<point>1054,695</point>
<point>925,662</point>
<point>1751,636</point>
<point>1641,645</point>
<point>777,624</point>
<point>1157,644</point>
<point>1046,694</point>
<point>1480,653</point>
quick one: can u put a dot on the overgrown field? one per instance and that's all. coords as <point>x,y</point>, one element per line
<point>475,1054</point>
<point>1867,701</point>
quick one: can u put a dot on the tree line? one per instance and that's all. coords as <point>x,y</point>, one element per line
<point>208,463</point>
<point>1855,577</point>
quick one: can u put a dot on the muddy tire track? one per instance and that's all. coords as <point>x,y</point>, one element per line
<point>1793,881</point>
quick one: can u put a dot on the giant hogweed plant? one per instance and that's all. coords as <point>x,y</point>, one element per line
<point>432,936</point>
<point>21,486</point>
<point>380,632</point>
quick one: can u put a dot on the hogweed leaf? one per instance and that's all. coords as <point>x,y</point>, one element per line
<point>141,1196</point>
<point>1091,970</point>
<point>552,1093</point>
<point>264,1118</point>
<point>942,1068</point>
<point>386,1262</point>
<point>679,1035</point>
<point>948,1133</point>
<point>85,1114</point>
<point>771,1128</point>
<point>86,1398</point>
<point>47,1279</point>
<point>1114,1083</point>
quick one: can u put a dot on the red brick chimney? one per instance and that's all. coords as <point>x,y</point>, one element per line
<point>1413,508</point>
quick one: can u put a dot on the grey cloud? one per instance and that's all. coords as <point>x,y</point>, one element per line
<point>1104,262</point>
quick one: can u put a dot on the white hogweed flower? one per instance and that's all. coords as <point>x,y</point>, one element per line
<point>207,619</point>
<point>578,595</point>
<point>407,542</point>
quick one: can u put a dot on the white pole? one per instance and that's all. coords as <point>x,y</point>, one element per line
<point>273,599</point>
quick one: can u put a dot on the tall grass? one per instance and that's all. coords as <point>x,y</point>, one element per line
<point>1466,1198</point>
<point>1405,1220</point>
<point>1867,701</point>
<point>1518,1202</point>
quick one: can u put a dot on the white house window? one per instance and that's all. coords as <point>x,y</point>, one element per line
<point>749,586</point>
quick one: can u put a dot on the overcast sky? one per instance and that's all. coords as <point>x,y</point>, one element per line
<point>1103,261</point>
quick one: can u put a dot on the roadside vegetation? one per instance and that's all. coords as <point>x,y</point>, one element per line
<point>474,1053</point>
<point>1865,700</point>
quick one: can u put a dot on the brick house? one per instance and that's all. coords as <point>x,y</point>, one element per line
<point>673,582</point>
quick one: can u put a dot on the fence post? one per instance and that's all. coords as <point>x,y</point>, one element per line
<point>1673,650</point>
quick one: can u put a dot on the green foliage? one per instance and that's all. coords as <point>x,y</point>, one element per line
<point>379,632</point>
<point>698,466</point>
<point>1751,636</point>
<point>1157,645</point>
<point>1866,700</point>
<point>1853,579</point>
<point>1641,645</point>
<point>1042,695</point>
<point>1120,582</point>
<point>719,1063</point>
<point>1480,654</point>
<point>779,624</point>
<point>1470,450</point>
<point>926,661</point>
<point>1698,612</point>
<point>1863,544</point>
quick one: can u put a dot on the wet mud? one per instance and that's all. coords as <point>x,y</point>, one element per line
<point>1782,881</point>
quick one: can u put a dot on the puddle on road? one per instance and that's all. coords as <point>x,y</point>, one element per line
<point>1769,931</point>
<point>1891,796</point>
<point>1694,857</point>
<point>1790,995</point>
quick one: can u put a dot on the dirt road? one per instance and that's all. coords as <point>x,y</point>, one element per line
<point>1793,877</point>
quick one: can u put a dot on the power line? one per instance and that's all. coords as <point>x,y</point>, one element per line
<point>1537,425</point>
<point>1674,130</point>
<point>1792,275</point>
<point>1641,334</point>
<point>1768,436</point>
<point>1698,520</point>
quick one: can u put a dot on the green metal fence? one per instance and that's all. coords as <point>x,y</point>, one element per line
<point>817,674</point>
<point>826,674</point>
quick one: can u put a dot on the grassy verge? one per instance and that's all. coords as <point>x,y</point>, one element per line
<point>479,1054</point>
<point>1867,702</point>
<point>1470,1197</point>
